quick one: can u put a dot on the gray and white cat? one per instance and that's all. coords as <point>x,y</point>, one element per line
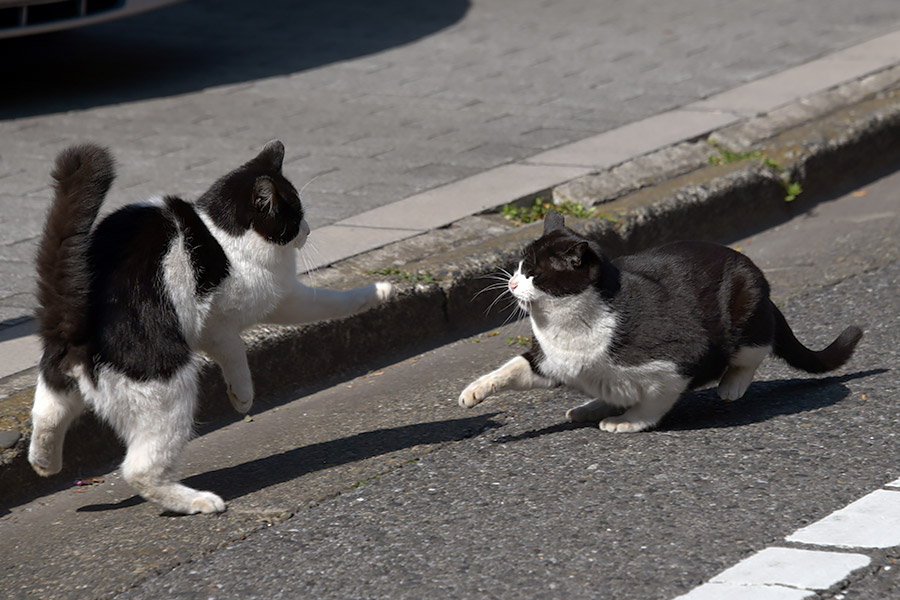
<point>125,306</point>
<point>637,332</point>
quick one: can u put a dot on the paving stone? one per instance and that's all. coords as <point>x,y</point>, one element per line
<point>8,439</point>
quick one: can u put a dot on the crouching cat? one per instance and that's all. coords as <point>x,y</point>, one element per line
<point>636,332</point>
<point>126,305</point>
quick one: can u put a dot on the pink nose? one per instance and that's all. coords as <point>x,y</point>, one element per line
<point>513,284</point>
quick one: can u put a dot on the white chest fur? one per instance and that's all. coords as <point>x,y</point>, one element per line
<point>260,273</point>
<point>575,334</point>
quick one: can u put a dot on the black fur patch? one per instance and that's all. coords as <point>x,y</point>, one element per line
<point>535,356</point>
<point>210,264</point>
<point>564,263</point>
<point>135,328</point>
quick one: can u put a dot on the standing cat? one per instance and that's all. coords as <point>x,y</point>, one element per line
<point>636,332</point>
<point>125,308</point>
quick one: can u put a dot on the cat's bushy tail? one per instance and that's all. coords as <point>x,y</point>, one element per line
<point>82,176</point>
<point>788,347</point>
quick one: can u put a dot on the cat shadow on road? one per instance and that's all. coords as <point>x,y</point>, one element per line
<point>239,480</point>
<point>764,400</point>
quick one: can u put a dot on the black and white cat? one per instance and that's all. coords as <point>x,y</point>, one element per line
<point>126,305</point>
<point>636,332</point>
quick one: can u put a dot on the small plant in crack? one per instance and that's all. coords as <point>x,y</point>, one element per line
<point>727,156</point>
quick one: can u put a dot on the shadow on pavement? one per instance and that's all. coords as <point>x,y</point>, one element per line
<point>239,480</point>
<point>763,401</point>
<point>202,43</point>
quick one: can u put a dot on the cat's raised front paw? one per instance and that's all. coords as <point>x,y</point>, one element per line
<point>623,425</point>
<point>377,293</point>
<point>385,290</point>
<point>207,502</point>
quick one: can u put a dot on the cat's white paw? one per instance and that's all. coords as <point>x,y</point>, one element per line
<point>624,425</point>
<point>44,465</point>
<point>734,383</point>
<point>206,502</point>
<point>241,398</point>
<point>384,291</point>
<point>476,392</point>
<point>376,294</point>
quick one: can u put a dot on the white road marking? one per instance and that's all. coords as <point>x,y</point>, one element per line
<point>777,573</point>
<point>791,567</point>
<point>733,591</point>
<point>873,521</point>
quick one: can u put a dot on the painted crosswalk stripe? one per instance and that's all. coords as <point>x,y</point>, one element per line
<point>873,521</point>
<point>776,573</point>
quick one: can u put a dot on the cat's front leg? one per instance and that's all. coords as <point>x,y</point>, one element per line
<point>225,346</point>
<point>516,374</point>
<point>304,304</point>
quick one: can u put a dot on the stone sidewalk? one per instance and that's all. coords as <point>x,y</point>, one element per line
<point>379,103</point>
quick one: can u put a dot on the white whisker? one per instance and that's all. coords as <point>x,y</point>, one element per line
<point>308,183</point>
<point>309,266</point>
<point>490,288</point>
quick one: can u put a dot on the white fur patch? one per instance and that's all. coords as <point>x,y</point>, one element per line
<point>132,407</point>
<point>181,285</point>
<point>260,274</point>
<point>741,369</point>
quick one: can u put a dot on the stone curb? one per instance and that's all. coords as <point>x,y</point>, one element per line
<point>848,145</point>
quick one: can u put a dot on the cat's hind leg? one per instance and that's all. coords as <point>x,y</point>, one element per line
<point>149,467</point>
<point>741,369</point>
<point>516,374</point>
<point>53,412</point>
<point>643,415</point>
<point>590,412</point>
<point>156,428</point>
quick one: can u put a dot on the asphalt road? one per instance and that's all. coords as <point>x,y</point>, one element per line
<point>382,487</point>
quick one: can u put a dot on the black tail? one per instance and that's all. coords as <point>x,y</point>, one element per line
<point>799,356</point>
<point>82,177</point>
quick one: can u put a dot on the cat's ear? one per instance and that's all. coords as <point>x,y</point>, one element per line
<point>553,221</point>
<point>272,156</point>
<point>264,195</point>
<point>575,255</point>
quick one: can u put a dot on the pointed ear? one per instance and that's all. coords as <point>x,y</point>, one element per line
<point>575,254</point>
<point>272,155</point>
<point>553,221</point>
<point>264,195</point>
